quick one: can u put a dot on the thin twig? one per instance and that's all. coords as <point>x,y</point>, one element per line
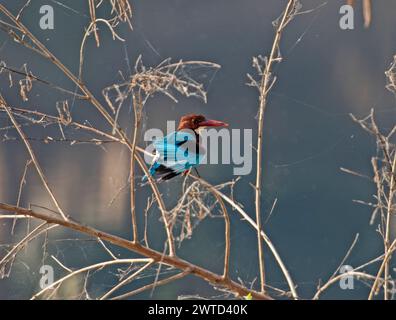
<point>99,265</point>
<point>127,280</point>
<point>152,285</point>
<point>333,280</point>
<point>22,243</point>
<point>107,249</point>
<point>389,212</point>
<point>387,256</point>
<point>227,226</point>
<point>19,15</point>
<point>29,148</point>
<point>21,184</point>
<point>215,279</point>
<point>269,243</point>
<point>102,110</point>
<point>92,12</point>
<point>137,109</point>
<point>367,13</point>
<point>266,84</point>
<point>334,275</point>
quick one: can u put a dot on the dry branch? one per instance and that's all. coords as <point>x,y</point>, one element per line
<point>166,78</point>
<point>175,262</point>
<point>4,105</point>
<point>265,86</point>
<point>102,110</point>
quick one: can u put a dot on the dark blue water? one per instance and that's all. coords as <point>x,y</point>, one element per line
<point>326,74</point>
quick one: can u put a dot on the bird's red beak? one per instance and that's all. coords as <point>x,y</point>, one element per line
<point>213,123</point>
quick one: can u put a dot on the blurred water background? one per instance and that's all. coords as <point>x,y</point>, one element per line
<point>327,73</point>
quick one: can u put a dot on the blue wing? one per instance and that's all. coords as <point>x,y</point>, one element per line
<point>175,153</point>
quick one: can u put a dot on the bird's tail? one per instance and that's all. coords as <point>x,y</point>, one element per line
<point>160,173</point>
<point>152,170</point>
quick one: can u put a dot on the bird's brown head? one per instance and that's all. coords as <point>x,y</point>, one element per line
<point>196,121</point>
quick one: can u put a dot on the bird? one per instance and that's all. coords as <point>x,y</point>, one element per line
<point>181,150</point>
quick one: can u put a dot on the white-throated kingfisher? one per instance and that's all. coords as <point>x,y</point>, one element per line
<point>181,150</point>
